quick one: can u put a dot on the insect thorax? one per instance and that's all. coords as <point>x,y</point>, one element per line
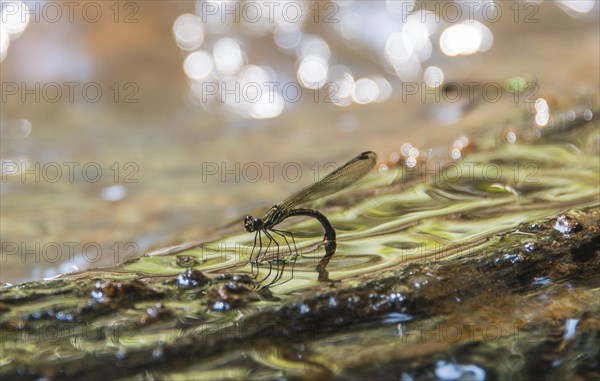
<point>273,217</point>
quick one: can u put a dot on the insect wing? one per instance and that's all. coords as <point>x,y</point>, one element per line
<point>337,180</point>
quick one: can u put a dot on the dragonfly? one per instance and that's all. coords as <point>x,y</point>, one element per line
<point>337,180</point>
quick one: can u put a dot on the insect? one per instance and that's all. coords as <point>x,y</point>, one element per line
<point>337,180</point>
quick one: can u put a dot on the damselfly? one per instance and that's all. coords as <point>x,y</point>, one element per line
<point>337,180</point>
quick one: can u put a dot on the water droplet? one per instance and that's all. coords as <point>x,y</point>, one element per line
<point>114,193</point>
<point>304,309</point>
<point>98,295</point>
<point>541,281</point>
<point>383,168</point>
<point>220,306</point>
<point>449,371</point>
<point>395,317</point>
<point>567,224</point>
<point>158,352</point>
<point>332,302</point>
<point>510,258</point>
<point>570,328</point>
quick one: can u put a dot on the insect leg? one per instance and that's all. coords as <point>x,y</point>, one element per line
<point>284,260</point>
<point>281,233</point>
<point>260,246</point>
<point>271,239</point>
<point>253,248</point>
<point>265,253</point>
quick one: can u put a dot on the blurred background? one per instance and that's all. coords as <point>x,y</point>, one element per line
<point>128,125</point>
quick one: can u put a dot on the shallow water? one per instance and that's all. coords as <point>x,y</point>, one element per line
<point>405,215</point>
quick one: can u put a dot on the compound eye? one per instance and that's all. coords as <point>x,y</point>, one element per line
<point>249,223</point>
